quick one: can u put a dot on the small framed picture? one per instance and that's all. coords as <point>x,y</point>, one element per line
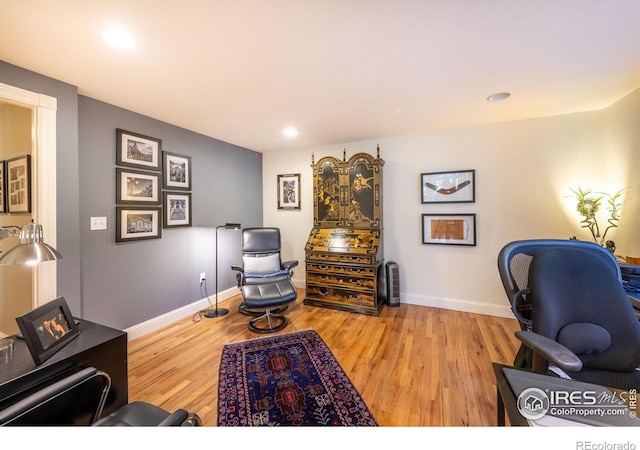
<point>289,191</point>
<point>454,229</point>
<point>18,184</point>
<point>137,150</point>
<point>177,209</point>
<point>176,171</point>
<point>3,191</point>
<point>136,187</point>
<point>135,224</point>
<point>448,187</point>
<point>47,329</point>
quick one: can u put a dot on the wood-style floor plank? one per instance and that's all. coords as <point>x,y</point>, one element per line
<point>413,365</point>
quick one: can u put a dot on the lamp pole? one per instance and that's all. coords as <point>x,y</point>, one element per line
<point>219,312</point>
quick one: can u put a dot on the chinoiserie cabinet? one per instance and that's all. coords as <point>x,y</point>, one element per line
<point>344,257</point>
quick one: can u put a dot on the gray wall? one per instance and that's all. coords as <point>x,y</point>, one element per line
<point>124,284</point>
<point>121,285</point>
<point>68,226</point>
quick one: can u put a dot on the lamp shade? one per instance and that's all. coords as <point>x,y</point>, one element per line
<point>32,248</point>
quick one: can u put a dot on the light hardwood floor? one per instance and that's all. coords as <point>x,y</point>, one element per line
<point>413,365</point>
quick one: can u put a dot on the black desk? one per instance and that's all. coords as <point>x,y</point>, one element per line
<point>511,382</point>
<point>96,346</point>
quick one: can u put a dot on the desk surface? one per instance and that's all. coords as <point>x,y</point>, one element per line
<point>584,411</point>
<point>18,372</point>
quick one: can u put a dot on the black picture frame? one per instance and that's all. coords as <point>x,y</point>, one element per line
<point>448,187</point>
<point>138,223</point>
<point>34,326</point>
<point>136,187</point>
<point>3,189</point>
<point>137,150</point>
<point>176,171</point>
<point>18,184</point>
<point>449,229</point>
<point>177,209</point>
<point>289,191</point>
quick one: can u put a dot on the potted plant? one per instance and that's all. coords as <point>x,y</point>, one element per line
<point>589,203</point>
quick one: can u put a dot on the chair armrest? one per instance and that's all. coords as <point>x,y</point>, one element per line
<point>557,354</point>
<point>288,265</point>
<point>175,419</point>
<point>238,268</point>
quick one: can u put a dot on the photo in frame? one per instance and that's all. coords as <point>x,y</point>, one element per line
<point>137,150</point>
<point>18,184</point>
<point>452,229</point>
<point>3,191</point>
<point>289,191</point>
<point>448,187</point>
<point>137,187</point>
<point>177,209</point>
<point>47,329</point>
<point>135,224</point>
<point>176,171</point>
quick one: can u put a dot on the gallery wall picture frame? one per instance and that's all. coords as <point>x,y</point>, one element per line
<point>47,329</point>
<point>3,190</point>
<point>448,187</point>
<point>450,229</point>
<point>138,223</point>
<point>137,150</point>
<point>137,187</point>
<point>289,191</point>
<point>18,184</point>
<point>176,171</point>
<point>177,209</point>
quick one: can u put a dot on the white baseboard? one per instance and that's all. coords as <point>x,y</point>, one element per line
<point>156,323</point>
<point>488,309</point>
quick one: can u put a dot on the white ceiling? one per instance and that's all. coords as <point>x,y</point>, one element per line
<point>338,70</point>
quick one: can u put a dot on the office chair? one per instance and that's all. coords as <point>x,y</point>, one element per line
<point>575,316</point>
<point>79,398</point>
<point>265,280</point>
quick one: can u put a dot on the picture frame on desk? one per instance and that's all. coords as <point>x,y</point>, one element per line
<point>47,329</point>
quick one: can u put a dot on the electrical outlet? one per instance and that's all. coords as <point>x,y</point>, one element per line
<point>202,278</point>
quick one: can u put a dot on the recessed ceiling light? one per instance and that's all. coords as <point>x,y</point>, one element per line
<point>119,37</point>
<point>498,97</point>
<point>290,132</point>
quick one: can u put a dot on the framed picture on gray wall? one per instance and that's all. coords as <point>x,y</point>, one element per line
<point>134,224</point>
<point>18,184</point>
<point>3,200</point>
<point>137,150</point>
<point>177,209</point>
<point>137,187</point>
<point>176,171</point>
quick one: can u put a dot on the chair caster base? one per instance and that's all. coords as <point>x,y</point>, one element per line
<point>275,322</point>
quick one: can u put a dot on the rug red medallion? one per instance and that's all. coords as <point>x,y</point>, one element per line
<point>287,379</point>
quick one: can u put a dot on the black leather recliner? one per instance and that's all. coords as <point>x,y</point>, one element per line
<point>79,399</point>
<point>573,310</point>
<point>264,279</point>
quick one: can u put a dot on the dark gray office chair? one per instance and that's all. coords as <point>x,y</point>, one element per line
<point>265,280</point>
<point>79,398</point>
<point>573,310</point>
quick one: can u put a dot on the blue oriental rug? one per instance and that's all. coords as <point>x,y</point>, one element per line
<point>288,379</point>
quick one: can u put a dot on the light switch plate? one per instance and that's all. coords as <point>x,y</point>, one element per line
<point>98,223</point>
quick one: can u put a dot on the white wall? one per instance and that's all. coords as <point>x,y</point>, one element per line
<point>524,171</point>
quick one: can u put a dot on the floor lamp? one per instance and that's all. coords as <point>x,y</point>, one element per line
<point>219,312</point>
